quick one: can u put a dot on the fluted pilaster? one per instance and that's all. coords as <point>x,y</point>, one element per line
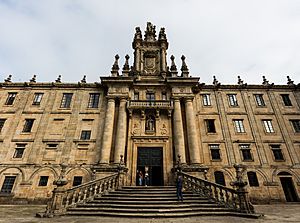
<point>178,131</point>
<point>191,132</point>
<point>108,132</point>
<point>121,132</point>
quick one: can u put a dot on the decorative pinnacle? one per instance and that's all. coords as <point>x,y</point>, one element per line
<point>126,65</point>
<point>266,82</point>
<point>58,80</point>
<point>33,79</point>
<point>138,33</point>
<point>184,68</point>
<point>240,81</point>
<point>8,79</point>
<point>173,65</point>
<point>83,79</point>
<point>115,67</point>
<point>215,81</point>
<point>150,32</point>
<point>289,81</point>
<point>162,34</point>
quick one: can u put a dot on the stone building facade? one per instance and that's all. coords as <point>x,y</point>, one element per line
<point>151,115</point>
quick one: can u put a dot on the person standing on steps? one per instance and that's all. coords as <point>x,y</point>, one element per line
<point>179,184</point>
<point>141,178</point>
<point>146,177</point>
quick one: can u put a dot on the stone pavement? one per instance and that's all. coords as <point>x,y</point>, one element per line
<point>275,213</point>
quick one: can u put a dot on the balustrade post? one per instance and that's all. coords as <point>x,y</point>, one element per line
<point>240,185</point>
<point>121,173</point>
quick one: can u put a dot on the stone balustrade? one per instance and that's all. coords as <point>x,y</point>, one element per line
<point>231,198</point>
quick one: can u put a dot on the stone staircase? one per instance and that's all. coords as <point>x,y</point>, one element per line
<point>151,201</point>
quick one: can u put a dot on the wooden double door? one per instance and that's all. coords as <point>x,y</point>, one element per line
<point>150,159</point>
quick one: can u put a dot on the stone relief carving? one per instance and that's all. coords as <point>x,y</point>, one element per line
<point>163,129</point>
<point>136,129</point>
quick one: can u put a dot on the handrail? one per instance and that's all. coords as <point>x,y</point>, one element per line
<point>228,197</point>
<point>64,198</point>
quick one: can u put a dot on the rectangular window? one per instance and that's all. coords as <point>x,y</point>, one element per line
<point>286,99</point>
<point>19,151</point>
<point>252,178</point>
<point>164,96</point>
<point>295,123</point>
<point>66,100</point>
<point>28,125</point>
<point>10,98</point>
<point>259,100</point>
<point>77,180</point>
<point>37,98</point>
<point>206,99</point>
<point>215,152</point>
<point>136,96</point>
<point>150,96</point>
<point>239,126</point>
<point>43,181</point>
<point>246,153</point>
<point>2,121</point>
<point>85,135</point>
<point>232,100</point>
<point>8,184</point>
<point>210,124</point>
<point>268,126</point>
<point>93,100</point>
<point>219,178</point>
<point>277,152</point>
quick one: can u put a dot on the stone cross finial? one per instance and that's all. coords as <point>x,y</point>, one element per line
<point>8,79</point>
<point>138,33</point>
<point>83,80</point>
<point>289,81</point>
<point>184,69</point>
<point>215,81</point>
<point>115,67</point>
<point>58,80</point>
<point>162,34</point>
<point>33,79</point>
<point>150,32</point>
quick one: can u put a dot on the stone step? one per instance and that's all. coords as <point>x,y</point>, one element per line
<point>139,202</point>
<point>148,210</point>
<point>161,215</point>
<point>144,195</point>
<point>149,206</point>
<point>148,187</point>
<point>146,199</point>
<point>147,192</point>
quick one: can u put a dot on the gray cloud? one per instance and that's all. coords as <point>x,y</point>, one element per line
<point>222,38</point>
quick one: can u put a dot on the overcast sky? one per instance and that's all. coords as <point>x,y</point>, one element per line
<point>225,38</point>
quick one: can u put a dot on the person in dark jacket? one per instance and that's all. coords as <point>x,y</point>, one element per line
<point>179,188</point>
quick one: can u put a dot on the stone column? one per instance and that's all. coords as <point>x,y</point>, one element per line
<point>178,131</point>
<point>121,131</point>
<point>108,132</point>
<point>191,132</point>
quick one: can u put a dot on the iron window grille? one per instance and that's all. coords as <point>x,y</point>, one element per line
<point>85,135</point>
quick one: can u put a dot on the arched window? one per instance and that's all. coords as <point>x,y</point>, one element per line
<point>219,178</point>
<point>150,123</point>
<point>252,178</point>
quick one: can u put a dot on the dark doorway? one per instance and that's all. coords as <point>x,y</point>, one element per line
<point>289,189</point>
<point>151,159</point>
